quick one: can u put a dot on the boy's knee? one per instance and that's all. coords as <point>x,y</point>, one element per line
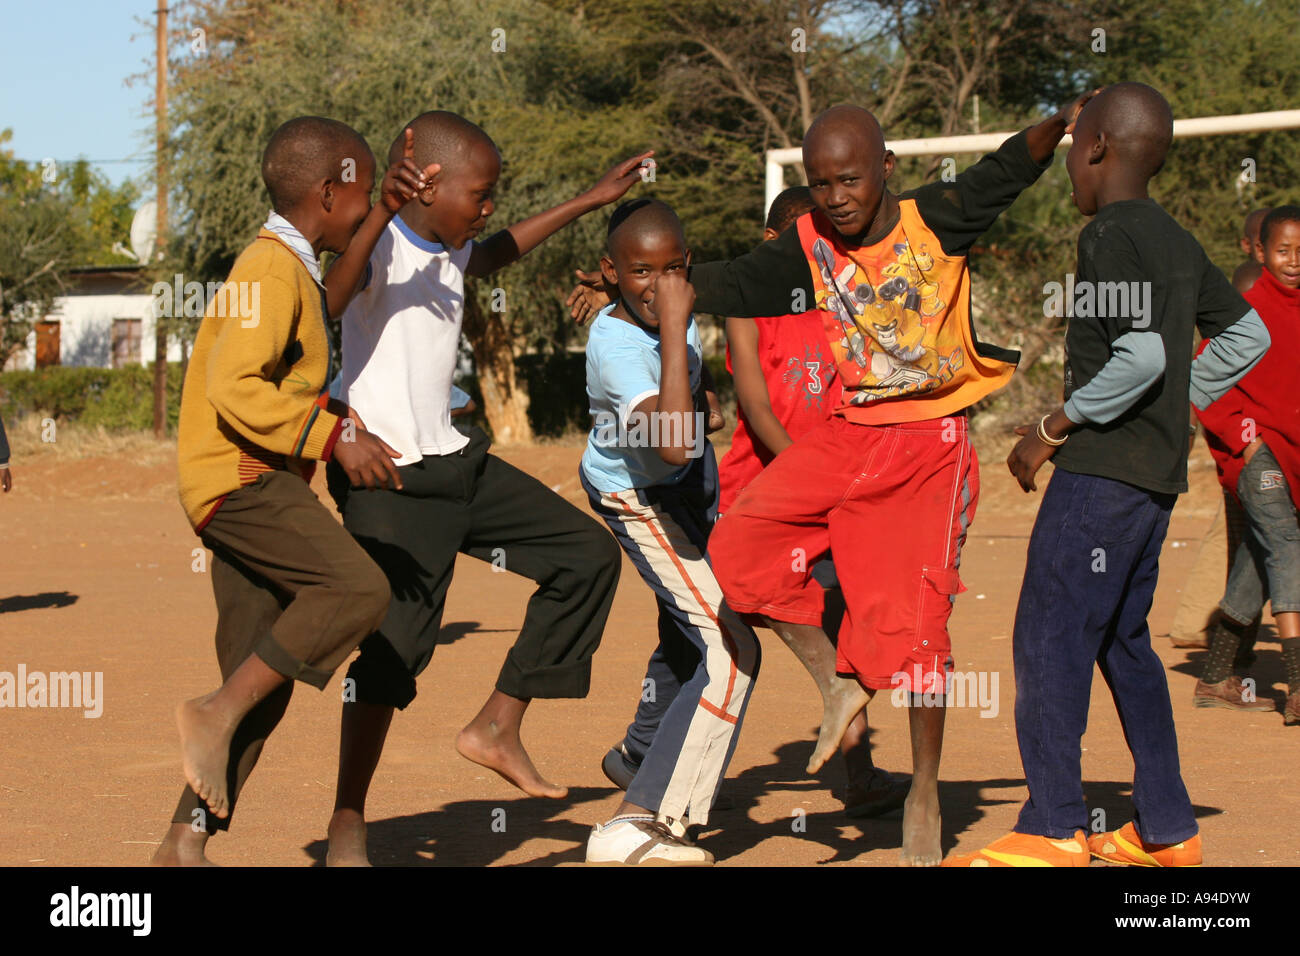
<point>370,594</point>
<point>608,554</point>
<point>380,676</point>
<point>597,554</point>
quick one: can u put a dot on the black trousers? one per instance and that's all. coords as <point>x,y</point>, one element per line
<point>471,502</point>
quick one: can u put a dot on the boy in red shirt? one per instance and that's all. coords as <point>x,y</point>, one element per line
<point>786,385</point>
<point>1254,435</point>
<point>889,482</point>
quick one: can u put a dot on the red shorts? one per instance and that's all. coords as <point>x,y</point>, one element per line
<point>893,503</point>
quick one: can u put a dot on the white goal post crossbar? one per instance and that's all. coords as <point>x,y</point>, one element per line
<point>778,159</point>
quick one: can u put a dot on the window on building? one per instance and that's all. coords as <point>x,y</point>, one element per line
<point>126,342</point>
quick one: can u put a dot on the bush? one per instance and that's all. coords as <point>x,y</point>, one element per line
<point>120,398</point>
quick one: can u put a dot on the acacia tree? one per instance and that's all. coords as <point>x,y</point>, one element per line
<point>557,102</point>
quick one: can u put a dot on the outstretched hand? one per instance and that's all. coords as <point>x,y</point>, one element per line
<point>588,297</point>
<point>1069,113</point>
<point>405,180</point>
<point>619,179</point>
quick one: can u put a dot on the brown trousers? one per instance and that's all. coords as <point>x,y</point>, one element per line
<point>294,588</point>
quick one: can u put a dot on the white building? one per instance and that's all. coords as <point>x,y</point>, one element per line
<point>105,320</point>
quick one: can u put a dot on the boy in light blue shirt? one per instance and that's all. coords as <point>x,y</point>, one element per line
<point>649,471</point>
<point>623,370</point>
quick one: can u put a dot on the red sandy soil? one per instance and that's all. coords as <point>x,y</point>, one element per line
<point>97,575</point>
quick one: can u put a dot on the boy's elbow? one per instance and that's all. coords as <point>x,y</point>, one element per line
<point>218,395</point>
<point>673,456</point>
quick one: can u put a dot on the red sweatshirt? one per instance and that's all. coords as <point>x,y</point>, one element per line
<point>1266,402</point>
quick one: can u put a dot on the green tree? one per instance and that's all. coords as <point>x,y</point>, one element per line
<point>52,218</point>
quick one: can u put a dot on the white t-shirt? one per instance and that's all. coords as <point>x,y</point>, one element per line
<point>400,339</point>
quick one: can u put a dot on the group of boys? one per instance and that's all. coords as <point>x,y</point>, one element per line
<point>855,380</point>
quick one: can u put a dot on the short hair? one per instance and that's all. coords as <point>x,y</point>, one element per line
<point>1276,217</point>
<point>788,206</point>
<point>303,152</point>
<point>1139,123</point>
<point>639,217</point>
<point>1250,226</point>
<point>439,137</point>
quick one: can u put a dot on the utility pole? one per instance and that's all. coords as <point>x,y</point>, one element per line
<point>160,172</point>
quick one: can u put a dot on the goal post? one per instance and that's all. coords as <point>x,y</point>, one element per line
<point>778,159</point>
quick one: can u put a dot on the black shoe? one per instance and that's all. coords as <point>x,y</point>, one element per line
<point>620,771</point>
<point>618,766</point>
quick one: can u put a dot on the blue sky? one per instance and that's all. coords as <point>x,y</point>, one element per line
<point>63,66</point>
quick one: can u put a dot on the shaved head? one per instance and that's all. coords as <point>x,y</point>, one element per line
<point>440,137</point>
<point>305,151</point>
<point>847,165</point>
<point>1137,122</point>
<point>639,219</point>
<point>851,125</point>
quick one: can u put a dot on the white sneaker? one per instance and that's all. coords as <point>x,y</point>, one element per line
<point>641,840</point>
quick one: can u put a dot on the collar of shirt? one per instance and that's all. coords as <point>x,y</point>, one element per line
<point>296,241</point>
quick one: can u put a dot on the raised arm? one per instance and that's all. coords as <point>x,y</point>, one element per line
<point>511,244</point>
<point>962,210</point>
<point>674,403</point>
<point>401,183</point>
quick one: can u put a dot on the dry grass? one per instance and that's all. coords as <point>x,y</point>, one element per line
<point>32,438</point>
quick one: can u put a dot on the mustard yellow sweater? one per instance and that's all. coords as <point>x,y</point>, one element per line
<point>252,400</point>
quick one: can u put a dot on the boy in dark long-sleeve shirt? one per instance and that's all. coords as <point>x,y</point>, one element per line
<point>1143,284</point>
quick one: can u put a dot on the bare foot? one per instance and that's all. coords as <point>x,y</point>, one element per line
<point>182,847</point>
<point>487,744</point>
<point>841,702</point>
<point>205,751</point>
<point>921,827</point>
<point>347,840</point>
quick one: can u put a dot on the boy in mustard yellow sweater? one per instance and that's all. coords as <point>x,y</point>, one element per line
<point>295,593</point>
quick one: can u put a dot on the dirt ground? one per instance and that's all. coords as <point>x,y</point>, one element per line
<point>97,575</point>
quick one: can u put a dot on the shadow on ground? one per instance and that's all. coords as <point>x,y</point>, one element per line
<point>30,602</point>
<point>463,833</point>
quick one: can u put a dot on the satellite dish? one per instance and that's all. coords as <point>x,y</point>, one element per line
<point>144,230</point>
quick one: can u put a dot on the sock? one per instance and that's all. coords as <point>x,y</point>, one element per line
<point>1224,640</point>
<point>1291,658</point>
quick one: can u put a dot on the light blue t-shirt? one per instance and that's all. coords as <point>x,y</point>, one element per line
<point>459,398</point>
<point>623,369</point>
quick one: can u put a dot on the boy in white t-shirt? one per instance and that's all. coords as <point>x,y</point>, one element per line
<point>649,471</point>
<point>400,338</point>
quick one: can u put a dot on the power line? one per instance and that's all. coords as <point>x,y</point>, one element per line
<point>93,162</point>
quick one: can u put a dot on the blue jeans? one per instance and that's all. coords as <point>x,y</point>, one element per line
<point>1089,579</point>
<point>1267,563</point>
